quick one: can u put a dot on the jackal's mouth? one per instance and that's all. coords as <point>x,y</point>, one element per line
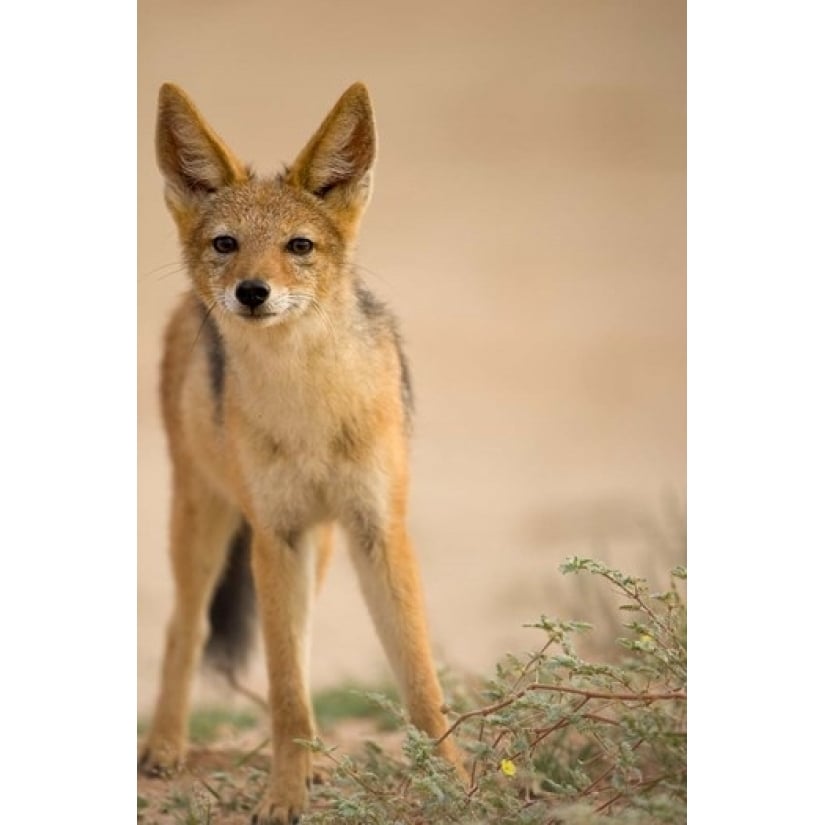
<point>260,316</point>
<point>257,317</point>
<point>254,315</point>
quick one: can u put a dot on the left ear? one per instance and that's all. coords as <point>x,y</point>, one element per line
<point>336,165</point>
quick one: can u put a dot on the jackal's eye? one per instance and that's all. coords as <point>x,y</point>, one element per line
<point>299,246</point>
<point>225,244</point>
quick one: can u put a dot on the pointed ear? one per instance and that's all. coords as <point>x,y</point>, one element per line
<point>336,165</point>
<point>192,158</point>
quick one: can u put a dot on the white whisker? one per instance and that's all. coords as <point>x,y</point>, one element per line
<point>315,304</point>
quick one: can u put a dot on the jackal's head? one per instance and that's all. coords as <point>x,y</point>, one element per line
<point>265,250</point>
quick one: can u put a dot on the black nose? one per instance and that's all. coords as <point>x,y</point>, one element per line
<point>252,293</point>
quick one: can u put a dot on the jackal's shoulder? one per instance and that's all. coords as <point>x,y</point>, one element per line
<point>378,321</point>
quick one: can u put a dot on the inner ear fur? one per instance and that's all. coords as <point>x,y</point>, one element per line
<point>192,158</point>
<point>336,165</point>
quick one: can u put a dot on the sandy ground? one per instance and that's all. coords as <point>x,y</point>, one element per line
<point>528,227</point>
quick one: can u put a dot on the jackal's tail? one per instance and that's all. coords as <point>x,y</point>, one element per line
<point>232,609</point>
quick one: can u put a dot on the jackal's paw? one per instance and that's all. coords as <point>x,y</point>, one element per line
<point>160,758</point>
<point>275,810</point>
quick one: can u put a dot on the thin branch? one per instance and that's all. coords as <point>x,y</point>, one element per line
<point>247,756</point>
<point>609,802</point>
<point>562,723</point>
<point>590,694</point>
<point>637,597</point>
<point>475,759</point>
<point>533,660</point>
<point>594,784</point>
<point>354,775</point>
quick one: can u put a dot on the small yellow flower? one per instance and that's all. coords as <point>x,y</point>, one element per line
<point>507,767</point>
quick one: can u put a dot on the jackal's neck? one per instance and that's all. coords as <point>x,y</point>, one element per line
<point>321,339</point>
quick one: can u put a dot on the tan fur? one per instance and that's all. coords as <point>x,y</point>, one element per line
<point>309,426</point>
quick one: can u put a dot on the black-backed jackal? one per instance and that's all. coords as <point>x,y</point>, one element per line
<point>286,401</point>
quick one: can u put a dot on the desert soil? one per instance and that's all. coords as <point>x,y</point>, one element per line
<point>224,779</point>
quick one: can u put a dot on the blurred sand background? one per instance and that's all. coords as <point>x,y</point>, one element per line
<point>528,227</point>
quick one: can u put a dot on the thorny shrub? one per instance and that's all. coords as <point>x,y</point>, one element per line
<point>551,739</point>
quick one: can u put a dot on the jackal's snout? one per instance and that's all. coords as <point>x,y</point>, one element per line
<point>252,292</point>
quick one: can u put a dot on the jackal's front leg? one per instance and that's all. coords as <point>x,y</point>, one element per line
<point>388,573</point>
<point>284,571</point>
<point>202,525</point>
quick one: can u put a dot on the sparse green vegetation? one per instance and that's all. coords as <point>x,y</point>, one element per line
<point>553,738</point>
<point>354,701</point>
<point>550,739</point>
<point>207,724</point>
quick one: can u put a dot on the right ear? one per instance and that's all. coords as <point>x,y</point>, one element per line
<point>192,158</point>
